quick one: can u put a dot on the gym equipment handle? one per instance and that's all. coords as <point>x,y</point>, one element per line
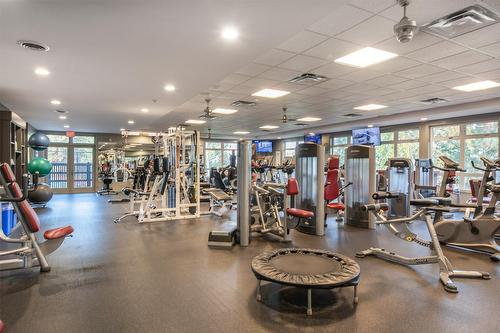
<point>385,195</point>
<point>372,207</point>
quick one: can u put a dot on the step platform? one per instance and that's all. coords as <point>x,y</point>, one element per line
<point>224,235</point>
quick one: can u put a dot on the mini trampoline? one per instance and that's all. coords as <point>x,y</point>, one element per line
<point>306,268</point>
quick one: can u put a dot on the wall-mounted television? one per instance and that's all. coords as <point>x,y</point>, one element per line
<point>366,136</point>
<point>315,138</point>
<point>263,146</point>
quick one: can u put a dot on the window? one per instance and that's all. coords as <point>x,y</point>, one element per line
<point>55,138</point>
<point>84,139</point>
<point>338,145</point>
<point>290,148</point>
<point>466,143</point>
<point>402,143</point>
<point>218,154</point>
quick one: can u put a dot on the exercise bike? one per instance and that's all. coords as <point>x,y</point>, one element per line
<point>476,232</point>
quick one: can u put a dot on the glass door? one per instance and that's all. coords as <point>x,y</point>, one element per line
<point>83,166</point>
<point>58,177</point>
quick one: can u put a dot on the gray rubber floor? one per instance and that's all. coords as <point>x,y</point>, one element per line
<point>162,277</point>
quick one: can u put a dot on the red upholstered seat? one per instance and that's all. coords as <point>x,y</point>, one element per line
<point>7,173</point>
<point>292,187</point>
<point>336,206</point>
<point>58,232</point>
<point>299,213</point>
<point>28,213</point>
<point>333,162</point>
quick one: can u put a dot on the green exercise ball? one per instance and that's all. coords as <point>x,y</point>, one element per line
<point>40,164</point>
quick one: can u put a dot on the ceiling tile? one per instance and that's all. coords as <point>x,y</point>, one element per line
<point>302,41</point>
<point>241,89</point>
<point>335,84</point>
<point>428,88</point>
<point>274,57</point>
<point>279,74</point>
<point>221,86</point>
<point>436,51</point>
<point>490,75</point>
<point>480,37</point>
<point>260,83</point>
<point>253,69</point>
<point>380,91</point>
<point>289,87</point>
<point>369,32</point>
<point>394,65</point>
<point>461,59</point>
<point>235,79</point>
<point>373,6</point>
<point>360,75</point>
<point>458,82</point>
<point>480,67</point>
<point>406,85</point>
<point>333,70</point>
<point>441,77</point>
<point>303,63</point>
<point>386,80</point>
<point>420,40</point>
<point>492,49</point>
<point>359,87</point>
<point>316,99</point>
<point>419,71</point>
<point>332,49</point>
<point>313,91</point>
<point>340,20</point>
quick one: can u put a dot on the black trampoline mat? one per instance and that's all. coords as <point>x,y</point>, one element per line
<point>299,263</point>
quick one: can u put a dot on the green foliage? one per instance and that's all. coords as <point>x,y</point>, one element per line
<point>382,154</point>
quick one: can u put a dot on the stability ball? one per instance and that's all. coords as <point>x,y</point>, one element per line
<point>40,164</point>
<point>38,141</point>
<point>41,195</point>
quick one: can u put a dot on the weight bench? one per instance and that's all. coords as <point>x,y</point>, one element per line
<point>220,202</point>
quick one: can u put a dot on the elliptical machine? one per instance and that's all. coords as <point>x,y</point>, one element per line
<point>478,232</point>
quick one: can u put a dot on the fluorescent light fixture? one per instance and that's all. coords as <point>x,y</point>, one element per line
<point>365,57</point>
<point>195,121</point>
<point>279,137</point>
<point>424,118</point>
<point>169,87</point>
<point>66,126</point>
<point>270,93</point>
<point>42,71</point>
<point>241,132</point>
<point>370,126</point>
<point>55,102</point>
<point>268,127</point>
<point>62,117</point>
<point>224,111</point>
<point>122,129</point>
<point>144,110</point>
<point>229,33</point>
<point>131,122</point>
<point>309,119</point>
<point>370,107</point>
<point>481,85</point>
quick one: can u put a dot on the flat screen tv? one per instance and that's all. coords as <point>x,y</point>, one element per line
<point>366,136</point>
<point>315,138</point>
<point>263,146</point>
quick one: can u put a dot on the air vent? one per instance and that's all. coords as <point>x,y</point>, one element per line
<point>463,21</point>
<point>243,103</point>
<point>434,100</point>
<point>300,124</point>
<point>352,115</point>
<point>61,111</point>
<point>309,78</point>
<point>33,46</point>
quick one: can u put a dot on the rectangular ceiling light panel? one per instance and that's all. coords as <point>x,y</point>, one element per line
<point>481,85</point>
<point>270,93</point>
<point>370,107</point>
<point>365,57</point>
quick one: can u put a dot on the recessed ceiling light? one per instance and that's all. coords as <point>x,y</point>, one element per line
<point>370,126</point>
<point>66,126</point>
<point>267,127</point>
<point>365,57</point>
<point>144,110</point>
<point>370,107</point>
<point>481,85</point>
<point>308,119</point>
<point>131,122</point>
<point>270,93</point>
<point>169,87</point>
<point>55,102</point>
<point>423,119</point>
<point>42,71</point>
<point>279,137</point>
<point>224,111</point>
<point>62,117</point>
<point>229,33</point>
<point>195,121</point>
<point>241,132</point>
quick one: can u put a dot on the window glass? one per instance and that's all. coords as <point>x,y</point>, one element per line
<point>290,145</point>
<point>55,138</point>
<point>449,148</point>
<point>213,159</point>
<point>387,136</point>
<point>475,148</point>
<point>408,150</point>
<point>83,139</point>
<point>226,157</point>
<point>340,151</point>
<point>382,154</point>
<point>444,132</point>
<point>231,146</point>
<point>411,134</point>
<point>213,145</point>
<point>482,128</point>
<point>341,140</point>
<point>289,152</point>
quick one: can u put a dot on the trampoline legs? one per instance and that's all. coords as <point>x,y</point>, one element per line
<point>356,299</point>
<point>309,303</point>
<point>259,295</point>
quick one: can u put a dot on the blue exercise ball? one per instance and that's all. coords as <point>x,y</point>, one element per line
<point>39,141</point>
